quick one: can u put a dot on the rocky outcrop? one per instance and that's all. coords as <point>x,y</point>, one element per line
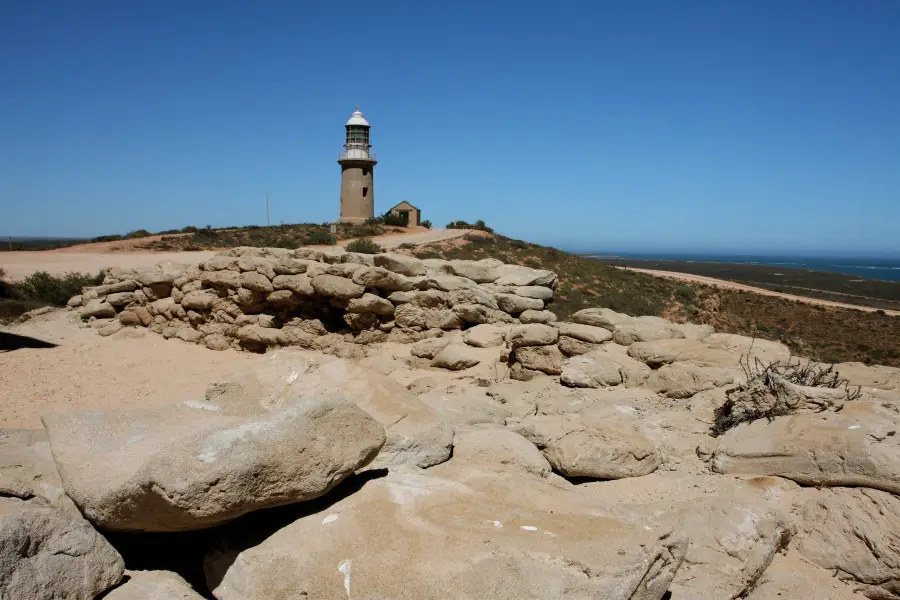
<point>48,553</point>
<point>202,463</point>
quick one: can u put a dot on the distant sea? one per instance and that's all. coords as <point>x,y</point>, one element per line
<point>871,268</point>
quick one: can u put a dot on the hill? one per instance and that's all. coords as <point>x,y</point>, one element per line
<point>824,333</point>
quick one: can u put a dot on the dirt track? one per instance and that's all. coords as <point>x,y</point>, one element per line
<point>90,258</point>
<point>731,285</point>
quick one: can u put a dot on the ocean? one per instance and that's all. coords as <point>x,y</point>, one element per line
<point>871,268</point>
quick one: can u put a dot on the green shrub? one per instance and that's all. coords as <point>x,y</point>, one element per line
<point>44,287</point>
<point>318,237</point>
<point>363,246</point>
<point>426,224</point>
<point>139,233</point>
<point>107,238</point>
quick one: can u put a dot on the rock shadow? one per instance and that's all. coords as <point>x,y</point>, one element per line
<point>13,341</point>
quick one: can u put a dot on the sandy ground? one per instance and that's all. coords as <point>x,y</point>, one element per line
<point>87,371</point>
<point>90,258</point>
<point>747,288</point>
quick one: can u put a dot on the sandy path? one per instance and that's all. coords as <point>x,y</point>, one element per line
<point>87,371</point>
<point>731,285</point>
<point>19,265</point>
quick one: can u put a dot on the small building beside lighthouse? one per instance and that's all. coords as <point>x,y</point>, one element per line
<point>357,168</point>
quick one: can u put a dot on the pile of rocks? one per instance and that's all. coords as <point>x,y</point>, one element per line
<point>254,298</point>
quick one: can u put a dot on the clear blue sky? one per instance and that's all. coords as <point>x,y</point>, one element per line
<point>764,125</point>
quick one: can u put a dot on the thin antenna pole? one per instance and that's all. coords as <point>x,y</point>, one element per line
<point>267,208</point>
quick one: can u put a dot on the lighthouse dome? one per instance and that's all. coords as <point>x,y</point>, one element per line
<point>357,118</point>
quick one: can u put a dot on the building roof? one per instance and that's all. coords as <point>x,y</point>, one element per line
<point>357,118</point>
<point>406,203</point>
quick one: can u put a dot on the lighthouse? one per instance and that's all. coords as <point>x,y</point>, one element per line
<point>357,165</point>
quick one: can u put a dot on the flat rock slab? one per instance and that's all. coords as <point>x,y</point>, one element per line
<point>47,553</point>
<point>202,463</point>
<point>454,531</point>
<point>857,446</point>
<point>416,434</point>
<point>601,443</point>
<point>27,469</point>
<point>153,585</point>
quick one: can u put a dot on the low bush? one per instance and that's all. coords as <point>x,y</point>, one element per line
<point>363,246</point>
<point>41,289</point>
<point>318,237</point>
<point>426,224</point>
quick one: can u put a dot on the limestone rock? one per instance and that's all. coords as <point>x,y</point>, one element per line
<point>153,585</point>
<point>683,380</point>
<point>456,357</point>
<point>534,291</point>
<point>513,304</point>
<point>479,271</point>
<point>199,464</point>
<point>626,335</point>
<point>216,342</point>
<point>445,283</point>
<point>336,287</point>
<point>381,278</point>
<point>792,576</point>
<point>537,316</point>
<point>477,314</point>
<point>599,444</point>
<point>27,469</point>
<point>47,553</point>
<point>534,334</point>
<point>856,446</point>
<point>519,276</point>
<point>299,284</point>
<point>344,269</point>
<point>473,296</point>
<point>110,328</point>
<point>199,300</point>
<point>370,303</point>
<point>416,434</point>
<point>120,298</point>
<point>572,347</point>
<point>601,317</point>
<point>430,347</point>
<point>499,448</point>
<point>853,533</point>
<point>590,371</point>
<point>224,279</point>
<point>399,263</point>
<point>546,359</point>
<point>97,308</point>
<point>361,320</point>
<point>484,336</point>
<point>75,301</point>
<point>585,333</point>
<point>395,537</point>
<point>126,317</point>
<point>664,352</point>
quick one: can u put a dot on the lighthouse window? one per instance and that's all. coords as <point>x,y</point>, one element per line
<point>365,192</point>
<point>365,172</point>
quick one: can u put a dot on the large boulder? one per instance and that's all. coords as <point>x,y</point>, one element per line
<point>456,357</point>
<point>199,300</point>
<point>585,333</point>
<point>480,271</point>
<point>47,553</point>
<point>534,334</point>
<point>497,447</point>
<point>599,443</point>
<point>683,380</point>
<point>664,352</point>
<point>608,365</point>
<point>97,308</point>
<point>198,464</point>
<point>546,359</point>
<point>336,287</point>
<point>484,336</point>
<point>572,347</point>
<point>456,531</point>
<point>601,317</point>
<point>518,276</point>
<point>153,585</point>
<point>399,263</point>
<point>428,348</point>
<point>416,434</point>
<point>537,316</point>
<point>639,331</point>
<point>853,533</point>
<point>370,303</point>
<point>381,278</point>
<point>27,469</point>
<point>856,446</point>
<point>513,304</point>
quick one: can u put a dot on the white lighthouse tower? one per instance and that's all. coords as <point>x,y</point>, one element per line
<point>357,166</point>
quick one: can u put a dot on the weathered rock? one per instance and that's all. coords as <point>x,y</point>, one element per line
<point>290,266</point>
<point>336,287</point>
<point>299,284</point>
<point>683,380</point>
<point>216,342</point>
<point>601,317</point>
<point>381,278</point>
<point>430,347</point>
<point>792,576</point>
<point>97,308</point>
<point>537,316</point>
<point>75,301</point>
<point>534,291</point>
<point>534,334</point>
<point>498,530</point>
<point>546,359</point>
<point>200,300</point>
<point>370,303</point>
<point>120,298</point>
<point>415,433</point>
<point>112,288</point>
<point>477,313</point>
<point>126,317</point>
<point>664,352</point>
<point>199,464</point>
<point>853,533</point>
<point>513,304</point>
<point>479,271</point>
<point>344,269</point>
<point>155,277</point>
<point>399,263</point>
<point>364,320</point>
<point>473,296</point>
<point>257,282</point>
<point>572,347</point>
<point>188,334</point>
<point>497,447</point>
<point>427,298</point>
<point>225,279</point>
<point>27,469</point>
<point>358,258</point>
<point>484,336</point>
<point>637,331</point>
<point>114,326</point>
<point>153,585</point>
<point>519,276</point>
<point>590,371</point>
<point>47,553</point>
<point>444,283</point>
<point>601,444</point>
<point>585,333</point>
<point>856,446</point>
<point>456,357</point>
